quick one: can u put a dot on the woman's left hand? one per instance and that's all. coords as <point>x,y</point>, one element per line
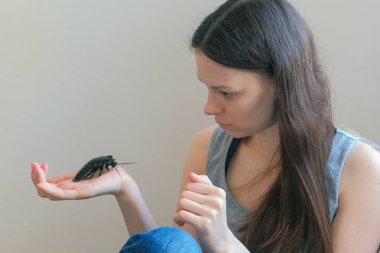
<point>203,206</point>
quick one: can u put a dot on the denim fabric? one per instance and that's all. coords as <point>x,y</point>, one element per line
<point>162,240</point>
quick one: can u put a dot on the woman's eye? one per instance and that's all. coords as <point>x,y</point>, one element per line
<point>225,94</point>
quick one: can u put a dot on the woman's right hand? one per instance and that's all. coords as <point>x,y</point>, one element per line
<point>136,214</point>
<point>63,187</point>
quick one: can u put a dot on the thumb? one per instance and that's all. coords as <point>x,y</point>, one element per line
<point>196,178</point>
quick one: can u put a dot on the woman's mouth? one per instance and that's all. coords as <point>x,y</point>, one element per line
<point>222,125</point>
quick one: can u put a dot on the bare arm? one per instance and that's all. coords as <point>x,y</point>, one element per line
<point>136,214</point>
<point>196,162</point>
<point>356,227</point>
<point>202,206</point>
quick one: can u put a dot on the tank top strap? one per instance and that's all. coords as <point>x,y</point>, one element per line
<point>341,147</point>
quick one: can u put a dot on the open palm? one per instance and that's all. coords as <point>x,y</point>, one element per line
<point>63,187</point>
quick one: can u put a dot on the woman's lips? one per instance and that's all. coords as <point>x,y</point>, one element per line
<point>222,125</point>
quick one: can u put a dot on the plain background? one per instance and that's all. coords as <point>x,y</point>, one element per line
<point>85,78</point>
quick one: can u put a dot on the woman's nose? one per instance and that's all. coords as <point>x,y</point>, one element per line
<point>212,107</point>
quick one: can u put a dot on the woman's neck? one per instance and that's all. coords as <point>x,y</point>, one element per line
<point>265,143</point>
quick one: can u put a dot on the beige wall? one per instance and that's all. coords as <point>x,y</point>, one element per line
<point>85,78</point>
<point>348,37</point>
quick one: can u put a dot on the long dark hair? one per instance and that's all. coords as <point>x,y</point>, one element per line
<point>270,37</point>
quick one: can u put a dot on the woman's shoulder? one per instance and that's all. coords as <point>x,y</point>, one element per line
<point>204,136</point>
<point>363,159</point>
<point>356,154</point>
<point>362,170</point>
<point>199,148</point>
<point>357,223</point>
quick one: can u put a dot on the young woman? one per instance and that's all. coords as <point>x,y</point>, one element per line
<point>274,174</point>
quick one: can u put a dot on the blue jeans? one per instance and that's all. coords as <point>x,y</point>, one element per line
<point>162,240</point>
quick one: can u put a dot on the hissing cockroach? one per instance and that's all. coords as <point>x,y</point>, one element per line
<point>97,164</point>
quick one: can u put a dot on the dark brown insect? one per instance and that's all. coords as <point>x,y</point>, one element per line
<point>97,164</point>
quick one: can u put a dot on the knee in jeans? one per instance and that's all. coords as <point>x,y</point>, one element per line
<point>163,239</point>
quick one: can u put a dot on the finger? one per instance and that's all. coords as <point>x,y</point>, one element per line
<point>51,194</point>
<point>33,173</point>
<point>179,223</point>
<point>184,216</point>
<point>193,207</point>
<point>36,179</point>
<point>58,179</point>
<point>193,177</point>
<point>38,176</point>
<point>196,197</point>
<point>45,168</point>
<point>55,193</point>
<point>40,193</point>
<point>200,188</point>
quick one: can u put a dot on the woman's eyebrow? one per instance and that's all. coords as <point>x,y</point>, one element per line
<point>214,86</point>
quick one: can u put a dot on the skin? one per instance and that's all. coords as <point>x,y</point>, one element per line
<point>243,103</point>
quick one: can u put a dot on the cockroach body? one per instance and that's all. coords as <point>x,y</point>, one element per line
<point>97,164</point>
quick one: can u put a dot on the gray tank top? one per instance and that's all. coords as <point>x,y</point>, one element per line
<point>221,146</point>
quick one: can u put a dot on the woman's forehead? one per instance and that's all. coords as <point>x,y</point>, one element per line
<point>214,74</point>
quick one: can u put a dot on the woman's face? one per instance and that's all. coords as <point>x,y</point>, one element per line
<point>241,101</point>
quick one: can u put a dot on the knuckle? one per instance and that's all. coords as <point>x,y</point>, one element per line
<point>220,192</point>
<point>182,203</point>
<point>213,214</point>
<point>41,192</point>
<point>219,203</point>
<point>181,214</point>
<point>185,194</point>
<point>204,177</point>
